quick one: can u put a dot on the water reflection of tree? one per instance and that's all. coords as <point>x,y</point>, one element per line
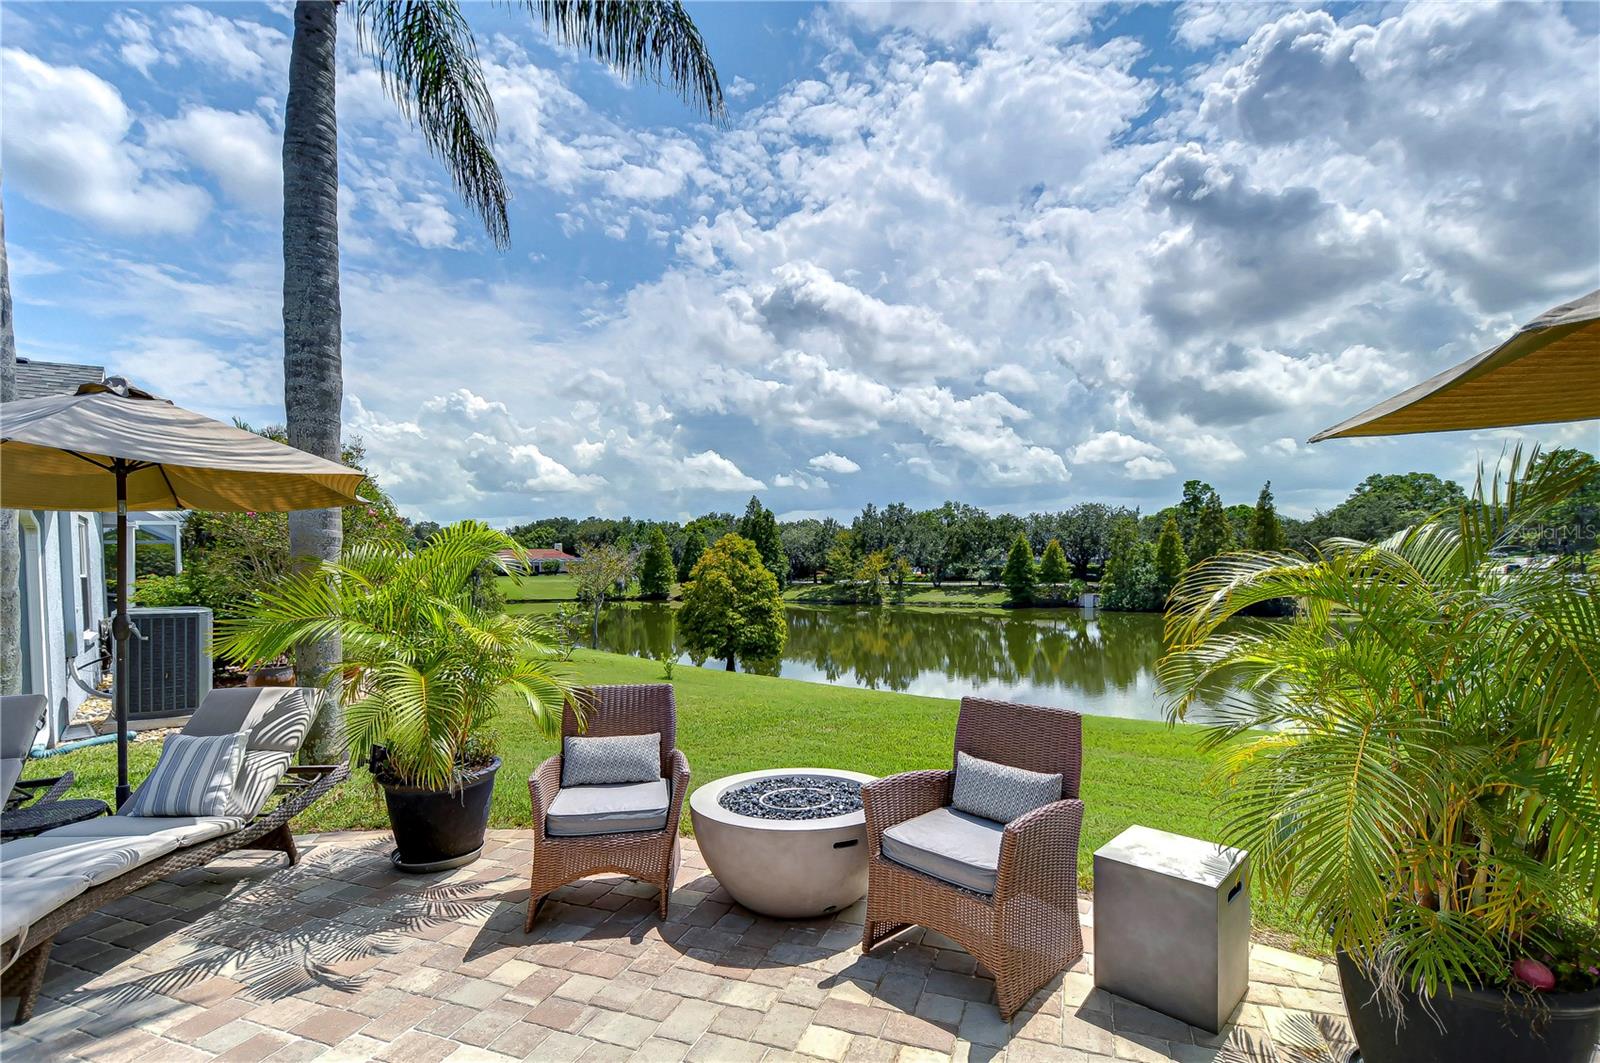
<point>890,648</point>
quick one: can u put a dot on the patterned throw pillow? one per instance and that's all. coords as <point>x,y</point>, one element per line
<point>601,761</point>
<point>999,791</point>
<point>194,777</point>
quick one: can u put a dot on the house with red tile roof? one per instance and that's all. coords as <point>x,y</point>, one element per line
<point>541,560</point>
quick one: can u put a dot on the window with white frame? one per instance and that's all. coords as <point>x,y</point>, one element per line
<point>85,578</point>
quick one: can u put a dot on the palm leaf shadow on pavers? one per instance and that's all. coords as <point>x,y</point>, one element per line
<point>1306,1037</point>
<point>286,934</point>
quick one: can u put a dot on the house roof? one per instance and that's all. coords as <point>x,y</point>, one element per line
<point>36,379</point>
<point>549,555</point>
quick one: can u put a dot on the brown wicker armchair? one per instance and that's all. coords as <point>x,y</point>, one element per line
<point>1027,930</point>
<point>650,856</point>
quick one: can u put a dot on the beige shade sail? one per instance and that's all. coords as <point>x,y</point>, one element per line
<point>59,453</point>
<point>1548,372</point>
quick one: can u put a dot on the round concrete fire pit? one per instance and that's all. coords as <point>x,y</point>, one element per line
<point>787,842</point>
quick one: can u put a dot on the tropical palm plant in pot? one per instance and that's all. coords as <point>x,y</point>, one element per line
<point>427,661</point>
<point>1414,761</point>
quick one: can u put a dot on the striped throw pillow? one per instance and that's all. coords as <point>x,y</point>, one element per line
<point>194,777</point>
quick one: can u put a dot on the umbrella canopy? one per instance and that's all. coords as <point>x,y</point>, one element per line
<point>111,446</point>
<point>58,452</point>
<point>1548,372</point>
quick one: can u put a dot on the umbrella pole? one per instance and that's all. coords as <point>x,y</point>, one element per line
<point>121,689</point>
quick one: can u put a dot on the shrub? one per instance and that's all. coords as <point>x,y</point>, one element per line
<point>158,591</point>
<point>1412,757</point>
<point>424,667</point>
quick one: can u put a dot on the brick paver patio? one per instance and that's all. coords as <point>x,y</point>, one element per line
<point>342,958</point>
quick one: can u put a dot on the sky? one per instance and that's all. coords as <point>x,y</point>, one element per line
<point>1019,255</point>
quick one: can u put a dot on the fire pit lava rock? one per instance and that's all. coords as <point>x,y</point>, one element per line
<point>790,843</point>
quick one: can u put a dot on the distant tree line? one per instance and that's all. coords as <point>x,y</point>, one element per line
<point>1135,557</point>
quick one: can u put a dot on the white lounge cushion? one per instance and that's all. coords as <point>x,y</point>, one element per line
<point>25,901</point>
<point>276,718</point>
<point>259,776</point>
<point>188,830</point>
<point>959,848</point>
<point>619,808</point>
<point>96,860</point>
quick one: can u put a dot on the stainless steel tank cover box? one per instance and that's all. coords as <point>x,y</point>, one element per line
<point>1172,924</point>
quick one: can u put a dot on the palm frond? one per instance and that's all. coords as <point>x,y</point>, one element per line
<point>428,61</point>
<point>425,667</point>
<point>1427,784</point>
<point>651,39</point>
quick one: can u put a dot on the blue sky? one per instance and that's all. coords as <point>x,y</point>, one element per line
<point>1019,255</point>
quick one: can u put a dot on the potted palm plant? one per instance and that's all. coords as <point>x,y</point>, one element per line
<point>1414,760</point>
<point>427,662</point>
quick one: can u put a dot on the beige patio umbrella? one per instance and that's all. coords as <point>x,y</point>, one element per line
<point>115,447</point>
<point>1549,371</point>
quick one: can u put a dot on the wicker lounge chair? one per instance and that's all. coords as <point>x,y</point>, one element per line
<point>607,828</point>
<point>20,717</point>
<point>53,880</point>
<point>1008,894</point>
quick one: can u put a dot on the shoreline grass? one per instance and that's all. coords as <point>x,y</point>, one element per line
<point>1135,771</point>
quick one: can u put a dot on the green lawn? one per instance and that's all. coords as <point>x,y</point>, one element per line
<point>1134,771</point>
<point>555,588</point>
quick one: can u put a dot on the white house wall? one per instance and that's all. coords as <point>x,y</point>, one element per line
<point>66,633</point>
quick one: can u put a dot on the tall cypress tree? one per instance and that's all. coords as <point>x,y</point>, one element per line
<point>694,544</point>
<point>1266,530</point>
<point>1214,534</point>
<point>1019,575</point>
<point>761,527</point>
<point>1053,569</point>
<point>1171,559</point>
<point>655,571</point>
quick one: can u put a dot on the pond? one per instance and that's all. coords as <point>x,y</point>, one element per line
<point>1093,662</point>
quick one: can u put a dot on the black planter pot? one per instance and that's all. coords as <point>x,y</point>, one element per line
<point>1478,1024</point>
<point>435,830</point>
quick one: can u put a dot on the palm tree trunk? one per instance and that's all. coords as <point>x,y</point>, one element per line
<point>10,548</point>
<point>313,388</point>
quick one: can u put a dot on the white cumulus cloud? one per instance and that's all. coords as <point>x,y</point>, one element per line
<point>836,463</point>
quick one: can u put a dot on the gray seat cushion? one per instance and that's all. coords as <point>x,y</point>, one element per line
<point>10,772</point>
<point>619,808</point>
<point>259,776</point>
<point>188,830</point>
<point>953,846</point>
<point>28,900</point>
<point>20,716</point>
<point>95,860</point>
<point>276,717</point>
